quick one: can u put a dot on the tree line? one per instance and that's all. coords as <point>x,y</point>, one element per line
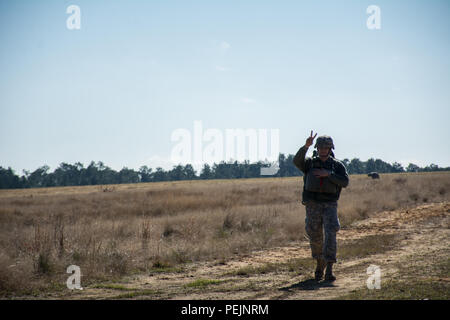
<point>97,173</point>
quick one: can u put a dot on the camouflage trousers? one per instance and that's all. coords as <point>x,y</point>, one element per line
<point>321,217</point>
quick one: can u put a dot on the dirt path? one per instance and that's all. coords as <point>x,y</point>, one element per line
<point>286,272</point>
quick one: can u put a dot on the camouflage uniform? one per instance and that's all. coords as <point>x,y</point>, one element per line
<point>320,196</point>
<point>322,216</point>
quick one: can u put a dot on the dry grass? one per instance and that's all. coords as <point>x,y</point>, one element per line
<point>148,226</point>
<point>365,196</point>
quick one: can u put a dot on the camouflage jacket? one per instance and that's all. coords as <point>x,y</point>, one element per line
<point>321,189</point>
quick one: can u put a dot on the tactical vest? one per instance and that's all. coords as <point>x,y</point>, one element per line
<point>312,183</point>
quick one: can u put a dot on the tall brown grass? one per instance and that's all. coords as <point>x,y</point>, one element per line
<point>135,228</point>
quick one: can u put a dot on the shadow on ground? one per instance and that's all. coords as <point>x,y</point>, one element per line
<point>309,284</point>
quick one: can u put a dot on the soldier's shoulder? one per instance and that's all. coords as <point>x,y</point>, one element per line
<point>338,162</point>
<point>308,162</point>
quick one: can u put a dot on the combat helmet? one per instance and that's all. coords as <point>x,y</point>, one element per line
<point>324,141</point>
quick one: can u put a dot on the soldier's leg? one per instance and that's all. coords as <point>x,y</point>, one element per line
<point>329,273</point>
<point>314,227</point>
<point>331,227</point>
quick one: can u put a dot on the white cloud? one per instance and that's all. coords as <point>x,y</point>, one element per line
<point>220,68</point>
<point>248,100</point>
<point>225,45</point>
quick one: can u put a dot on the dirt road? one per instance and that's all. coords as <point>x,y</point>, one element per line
<point>392,240</point>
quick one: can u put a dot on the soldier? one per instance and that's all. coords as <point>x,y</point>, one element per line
<point>324,177</point>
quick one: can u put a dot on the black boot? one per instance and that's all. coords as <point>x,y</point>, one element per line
<point>318,275</point>
<point>329,273</point>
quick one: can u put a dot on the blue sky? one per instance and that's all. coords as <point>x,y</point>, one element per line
<point>116,89</point>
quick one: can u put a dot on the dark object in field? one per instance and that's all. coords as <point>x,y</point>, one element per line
<point>374,175</point>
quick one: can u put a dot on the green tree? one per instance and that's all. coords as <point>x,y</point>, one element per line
<point>145,174</point>
<point>160,175</point>
<point>189,172</point>
<point>397,167</point>
<point>8,179</point>
<point>356,166</point>
<point>206,172</point>
<point>128,176</point>
<point>67,175</point>
<point>39,177</point>
<point>412,168</point>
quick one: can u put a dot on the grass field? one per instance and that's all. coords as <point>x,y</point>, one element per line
<point>119,230</point>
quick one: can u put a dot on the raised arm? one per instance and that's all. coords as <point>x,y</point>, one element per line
<point>299,158</point>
